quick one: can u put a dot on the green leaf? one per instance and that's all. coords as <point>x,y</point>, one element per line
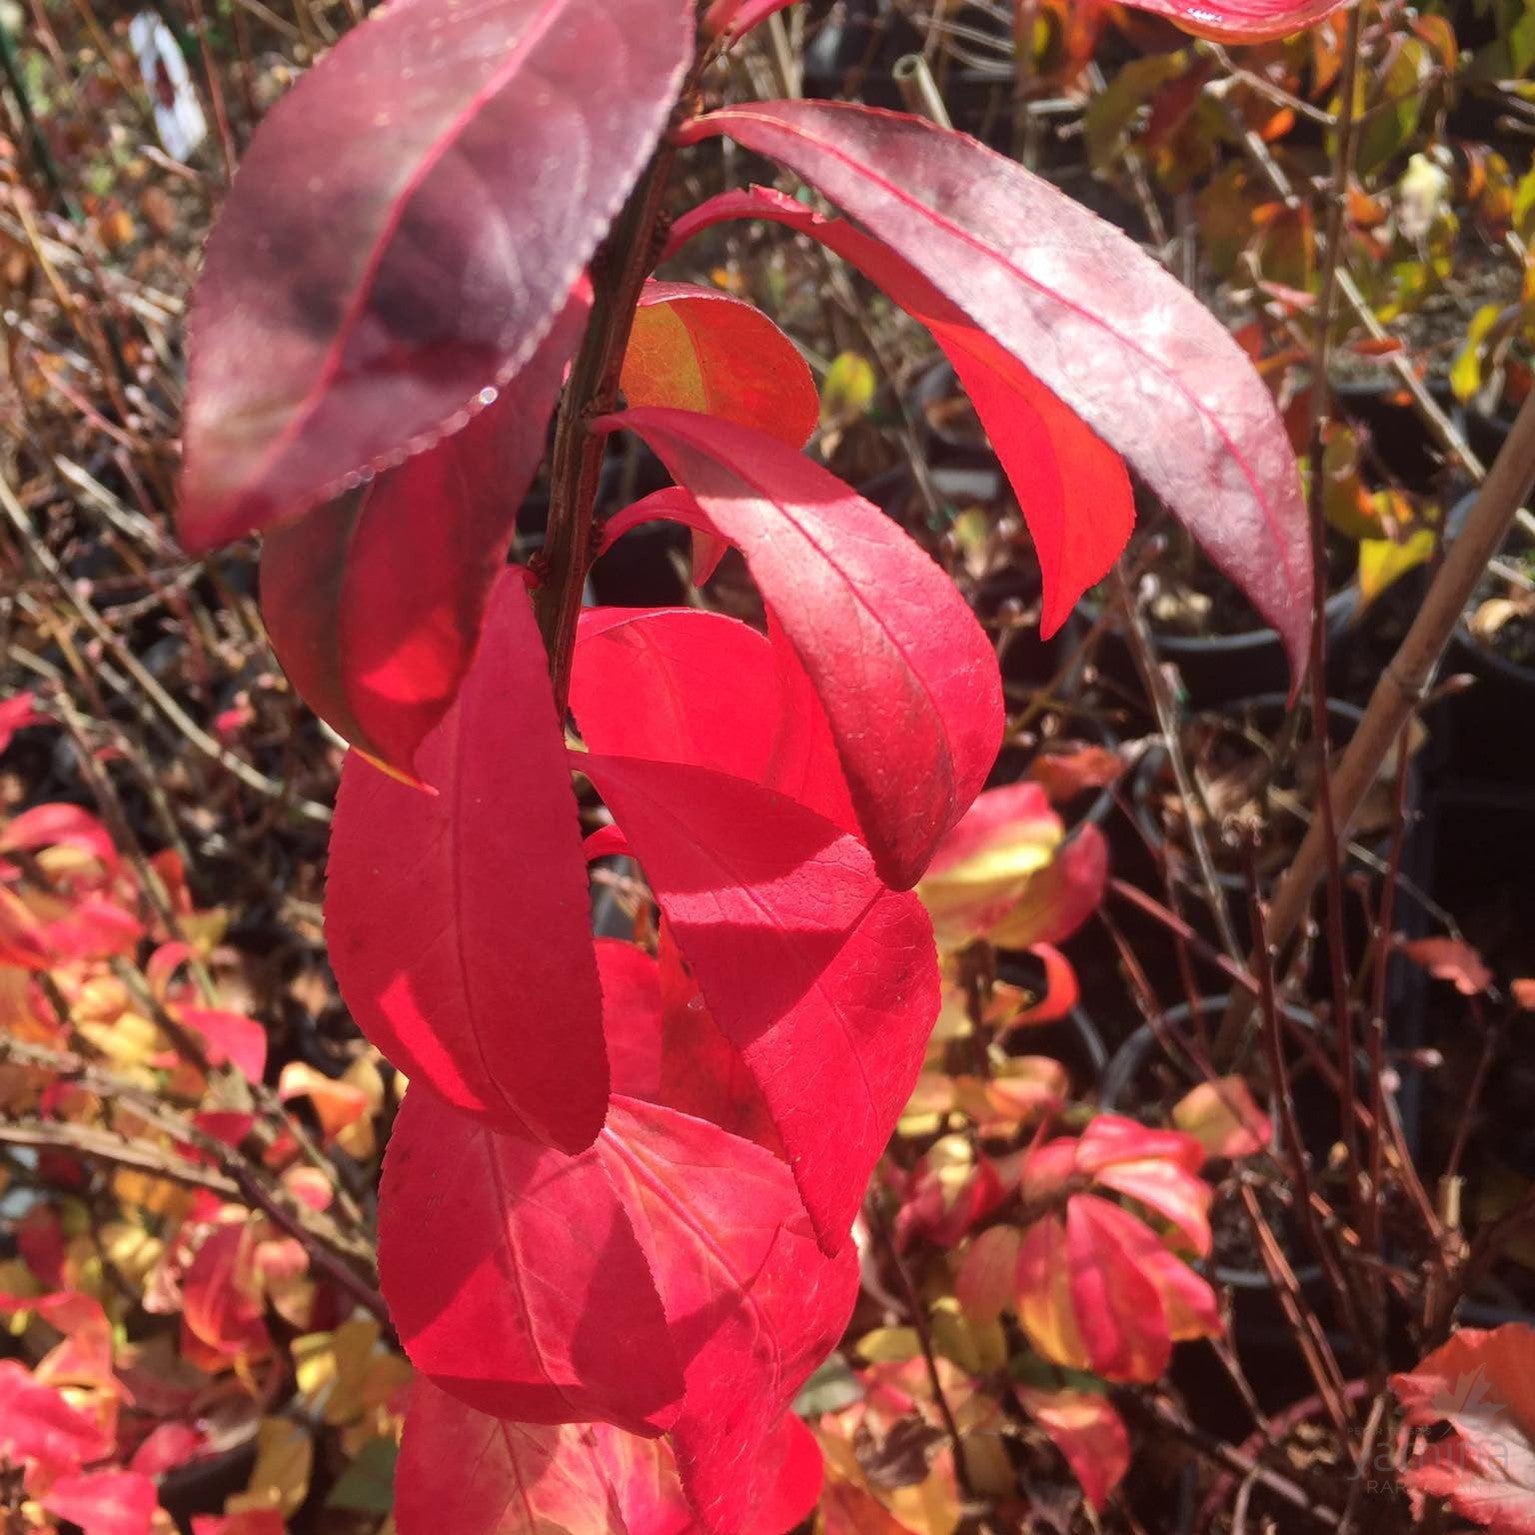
<point>367,1484</point>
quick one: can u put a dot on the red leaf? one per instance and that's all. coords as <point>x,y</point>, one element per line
<point>514,1278</point>
<point>1116,1304</point>
<point>580,1479</point>
<point>754,1306</point>
<point>1479,1383</point>
<point>1100,323</point>
<point>60,826</point>
<point>1133,1298</point>
<point>1088,1430</point>
<point>1072,487</point>
<point>478,981</point>
<point>699,349</point>
<point>737,17</point>
<point>167,1446</point>
<point>221,1307</point>
<point>1244,21</point>
<point>907,677</point>
<point>1070,772</point>
<point>1062,991</point>
<point>16,713</point>
<point>251,1521</point>
<point>666,1048</point>
<point>375,601</point>
<point>354,303</point>
<point>1448,959</point>
<point>229,1039</point>
<point>104,1502</point>
<point>676,685</point>
<point>38,1426</point>
<point>685,685</point>
<point>527,1479</point>
<point>824,980</point>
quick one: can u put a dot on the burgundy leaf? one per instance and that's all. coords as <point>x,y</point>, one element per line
<point>700,349</point>
<point>1101,324</point>
<point>465,973</point>
<point>374,602</point>
<point>1072,487</point>
<point>754,1304</point>
<point>823,979</point>
<point>906,676</point>
<point>514,1277</point>
<point>356,303</point>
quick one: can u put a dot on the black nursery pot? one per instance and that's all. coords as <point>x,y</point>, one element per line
<point>1490,726</point>
<point>1215,668</point>
<point>1266,712</point>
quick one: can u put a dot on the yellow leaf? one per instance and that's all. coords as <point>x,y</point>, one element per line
<point>849,388</point>
<point>1383,560</point>
<point>131,1250</point>
<point>976,1347</point>
<point>333,1367</point>
<point>280,1477</point>
<point>889,1345</point>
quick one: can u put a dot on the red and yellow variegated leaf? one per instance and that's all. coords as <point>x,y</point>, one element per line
<point>1099,323</point>
<point>753,1303</point>
<point>1071,486</point>
<point>1179,1197</point>
<point>1061,897</point>
<point>699,349</point>
<point>1133,1298</point>
<point>1244,21</point>
<point>1046,1309</point>
<point>514,1277</point>
<point>477,981</point>
<point>355,304</point>
<point>984,865</point>
<point>1088,1430</point>
<point>1224,1118</point>
<point>823,979</point>
<point>375,601</point>
<point>906,675</point>
<point>1117,1307</point>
